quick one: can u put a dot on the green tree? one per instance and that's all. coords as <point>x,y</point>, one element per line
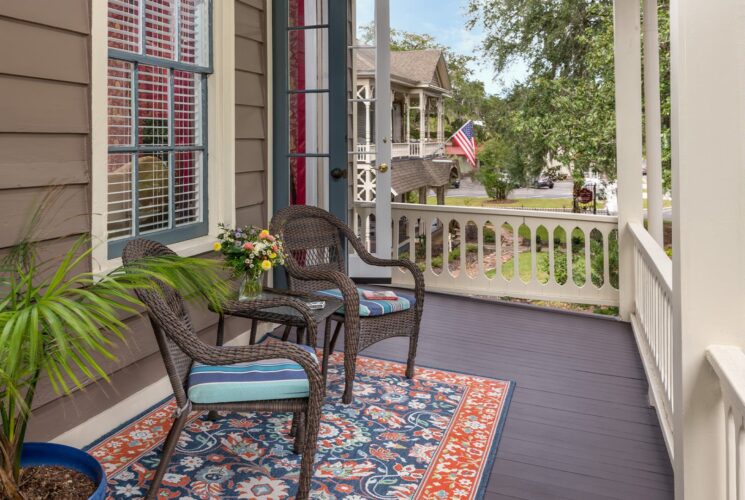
<point>565,107</point>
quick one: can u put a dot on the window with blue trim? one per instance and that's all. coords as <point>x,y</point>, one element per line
<point>159,60</point>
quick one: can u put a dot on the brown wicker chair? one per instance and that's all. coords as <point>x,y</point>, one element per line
<point>181,347</point>
<point>315,261</point>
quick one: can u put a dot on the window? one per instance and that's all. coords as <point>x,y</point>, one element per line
<point>158,62</point>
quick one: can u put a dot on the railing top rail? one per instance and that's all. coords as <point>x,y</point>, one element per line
<point>654,255</point>
<point>729,364</point>
<point>526,214</point>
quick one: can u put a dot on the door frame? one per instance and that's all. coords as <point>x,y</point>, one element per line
<point>336,186</point>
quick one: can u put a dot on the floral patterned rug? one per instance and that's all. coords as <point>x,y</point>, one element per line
<point>431,437</point>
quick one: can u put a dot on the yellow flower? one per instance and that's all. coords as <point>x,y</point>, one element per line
<point>272,255</point>
<point>217,246</point>
<point>266,265</point>
<point>264,233</point>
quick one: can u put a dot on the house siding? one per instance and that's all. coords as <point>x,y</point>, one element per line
<point>251,113</point>
<point>45,139</point>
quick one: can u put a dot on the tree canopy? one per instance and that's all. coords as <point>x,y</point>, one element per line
<point>565,108</point>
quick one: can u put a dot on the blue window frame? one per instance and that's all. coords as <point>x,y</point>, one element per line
<point>159,60</point>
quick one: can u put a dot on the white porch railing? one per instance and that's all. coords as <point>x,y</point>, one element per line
<point>403,149</point>
<point>502,252</point>
<point>652,322</point>
<point>729,364</point>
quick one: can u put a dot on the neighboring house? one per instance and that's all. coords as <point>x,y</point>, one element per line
<point>420,83</point>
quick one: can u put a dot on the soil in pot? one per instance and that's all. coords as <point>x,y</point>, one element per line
<point>55,483</point>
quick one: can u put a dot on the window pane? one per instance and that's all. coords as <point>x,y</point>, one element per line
<point>187,182</point>
<point>152,191</point>
<point>152,102</point>
<point>194,32</point>
<point>308,64</point>
<point>120,103</point>
<point>308,12</point>
<point>120,195</point>
<point>124,25</point>
<point>187,102</point>
<point>309,123</point>
<point>159,29</point>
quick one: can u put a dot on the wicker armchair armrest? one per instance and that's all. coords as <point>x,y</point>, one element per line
<point>369,258</point>
<point>284,301</point>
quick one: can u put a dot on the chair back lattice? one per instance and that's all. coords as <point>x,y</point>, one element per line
<point>162,307</point>
<point>313,241</point>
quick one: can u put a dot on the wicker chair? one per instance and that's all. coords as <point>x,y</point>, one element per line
<point>315,262</point>
<point>181,348</point>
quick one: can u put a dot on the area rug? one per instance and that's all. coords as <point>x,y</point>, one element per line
<point>431,437</point>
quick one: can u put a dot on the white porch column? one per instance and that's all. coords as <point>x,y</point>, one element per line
<point>422,121</point>
<point>627,52</point>
<point>708,126</point>
<point>367,117</point>
<point>653,117</point>
<point>407,103</point>
<point>440,113</point>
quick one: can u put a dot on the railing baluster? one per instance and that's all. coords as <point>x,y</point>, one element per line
<point>569,292</point>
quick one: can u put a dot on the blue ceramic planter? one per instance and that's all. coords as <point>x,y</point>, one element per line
<point>37,454</point>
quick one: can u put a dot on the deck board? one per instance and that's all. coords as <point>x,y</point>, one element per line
<point>579,425</point>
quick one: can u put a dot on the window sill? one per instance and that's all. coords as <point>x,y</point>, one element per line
<point>189,248</point>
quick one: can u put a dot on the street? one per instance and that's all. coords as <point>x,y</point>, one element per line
<point>472,189</point>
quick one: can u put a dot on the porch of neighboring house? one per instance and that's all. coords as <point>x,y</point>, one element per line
<point>420,83</point>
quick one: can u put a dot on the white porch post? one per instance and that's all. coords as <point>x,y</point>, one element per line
<point>627,52</point>
<point>708,126</point>
<point>422,121</point>
<point>368,96</point>
<point>440,128</point>
<point>653,118</point>
<point>407,103</point>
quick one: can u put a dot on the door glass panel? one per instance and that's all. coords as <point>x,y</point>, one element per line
<point>308,119</point>
<point>308,12</point>
<point>308,59</point>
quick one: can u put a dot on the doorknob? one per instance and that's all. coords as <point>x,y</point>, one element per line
<point>339,173</point>
<point>383,168</point>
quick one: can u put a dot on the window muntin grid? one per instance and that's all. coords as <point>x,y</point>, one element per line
<point>157,126</point>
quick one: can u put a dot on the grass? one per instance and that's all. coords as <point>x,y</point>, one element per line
<point>525,268</point>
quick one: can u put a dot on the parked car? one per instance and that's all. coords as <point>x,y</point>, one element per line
<point>543,182</point>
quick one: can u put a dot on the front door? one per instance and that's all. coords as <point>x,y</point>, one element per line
<point>310,104</point>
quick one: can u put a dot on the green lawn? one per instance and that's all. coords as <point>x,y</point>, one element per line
<point>525,268</point>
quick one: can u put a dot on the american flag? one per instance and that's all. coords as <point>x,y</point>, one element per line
<point>467,142</point>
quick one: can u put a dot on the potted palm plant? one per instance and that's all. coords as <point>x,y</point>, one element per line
<point>57,322</point>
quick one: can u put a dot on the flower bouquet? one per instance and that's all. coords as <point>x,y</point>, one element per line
<point>249,252</point>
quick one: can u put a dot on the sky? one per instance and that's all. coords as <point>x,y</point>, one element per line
<point>446,21</point>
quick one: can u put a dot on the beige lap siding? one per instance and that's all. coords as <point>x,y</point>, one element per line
<point>45,139</point>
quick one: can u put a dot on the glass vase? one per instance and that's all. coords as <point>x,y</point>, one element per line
<point>251,287</point>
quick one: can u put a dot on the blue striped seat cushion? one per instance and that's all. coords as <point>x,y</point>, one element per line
<point>255,381</point>
<point>376,307</point>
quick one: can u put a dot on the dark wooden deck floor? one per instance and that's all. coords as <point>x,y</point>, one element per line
<point>579,425</point>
